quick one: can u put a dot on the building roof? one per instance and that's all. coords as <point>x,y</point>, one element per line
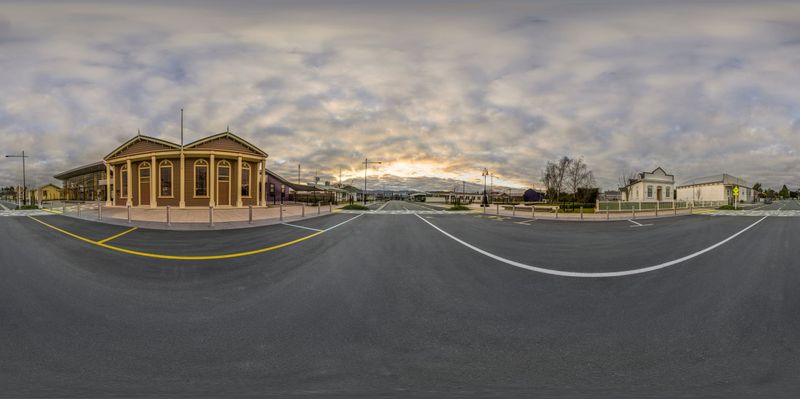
<point>723,178</point>
<point>229,135</point>
<point>641,176</point>
<point>138,138</point>
<point>82,170</point>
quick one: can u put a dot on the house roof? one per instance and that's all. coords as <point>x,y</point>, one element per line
<point>138,138</point>
<point>82,170</point>
<point>226,135</point>
<point>723,178</point>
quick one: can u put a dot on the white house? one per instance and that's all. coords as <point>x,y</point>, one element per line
<point>655,186</point>
<point>716,188</point>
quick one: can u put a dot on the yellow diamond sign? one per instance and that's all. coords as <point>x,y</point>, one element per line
<point>735,191</point>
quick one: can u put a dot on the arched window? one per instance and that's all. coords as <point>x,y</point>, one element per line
<point>224,170</point>
<point>246,180</point>
<point>144,172</point>
<point>165,179</point>
<point>200,178</point>
<point>123,181</point>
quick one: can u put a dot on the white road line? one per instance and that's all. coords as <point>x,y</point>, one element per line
<point>593,275</point>
<point>636,223</point>
<point>353,218</point>
<point>383,206</point>
<point>300,227</point>
<point>5,208</point>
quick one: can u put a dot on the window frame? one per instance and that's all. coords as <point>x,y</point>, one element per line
<point>166,163</point>
<point>246,169</point>
<point>223,164</point>
<point>649,191</point>
<point>123,181</point>
<point>200,163</point>
<point>144,166</point>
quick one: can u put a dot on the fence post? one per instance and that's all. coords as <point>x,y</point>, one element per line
<point>484,208</point>
<point>330,207</point>
<point>211,216</point>
<point>581,213</point>
<point>129,213</point>
<point>514,210</point>
<point>633,213</point>
<point>556,212</point>
<point>303,209</point>
<point>64,208</point>
<point>608,214</point>
<point>498,209</point>
<point>533,211</point>
<point>281,215</point>
<point>99,211</point>
<point>169,221</point>
<point>674,209</point>
<point>658,206</point>
<point>79,209</point>
<point>319,208</point>
<point>250,214</point>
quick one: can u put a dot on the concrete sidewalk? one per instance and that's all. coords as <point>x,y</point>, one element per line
<point>545,213</point>
<point>193,218</point>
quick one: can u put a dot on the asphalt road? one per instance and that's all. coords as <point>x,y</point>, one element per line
<point>387,305</point>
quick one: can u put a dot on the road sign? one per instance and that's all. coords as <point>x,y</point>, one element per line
<point>735,191</point>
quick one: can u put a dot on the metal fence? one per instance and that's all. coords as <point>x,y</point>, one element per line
<point>622,206</point>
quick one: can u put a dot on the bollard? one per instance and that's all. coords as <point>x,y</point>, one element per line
<point>674,209</point>
<point>129,214</point>
<point>79,210</point>
<point>281,215</point>
<point>633,213</point>
<point>64,208</point>
<point>498,209</point>
<point>608,214</point>
<point>484,208</point>
<point>556,212</point>
<point>658,206</point>
<point>210,216</point>
<point>319,208</point>
<point>99,212</point>
<point>513,210</point>
<point>330,207</point>
<point>303,210</point>
<point>250,214</point>
<point>581,213</point>
<point>533,211</point>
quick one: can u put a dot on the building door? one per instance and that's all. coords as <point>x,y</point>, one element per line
<point>224,183</point>
<point>144,183</point>
<point>659,194</point>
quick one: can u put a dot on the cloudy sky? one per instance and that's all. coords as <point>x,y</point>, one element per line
<point>435,89</point>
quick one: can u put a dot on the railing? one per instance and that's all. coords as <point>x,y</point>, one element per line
<point>627,206</point>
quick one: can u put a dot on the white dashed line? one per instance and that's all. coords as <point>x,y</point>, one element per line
<point>592,275</point>
<point>301,227</point>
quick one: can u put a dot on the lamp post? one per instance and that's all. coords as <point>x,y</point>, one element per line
<point>367,162</point>
<point>24,184</point>
<point>485,201</point>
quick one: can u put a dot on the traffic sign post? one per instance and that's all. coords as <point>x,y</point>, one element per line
<point>735,196</point>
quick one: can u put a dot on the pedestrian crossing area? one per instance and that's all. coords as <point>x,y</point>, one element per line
<point>407,212</point>
<point>24,212</point>
<point>755,213</point>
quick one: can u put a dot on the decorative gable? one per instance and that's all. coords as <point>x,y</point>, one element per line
<point>141,145</point>
<point>226,142</point>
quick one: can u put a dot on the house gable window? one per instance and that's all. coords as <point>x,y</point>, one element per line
<point>649,191</point>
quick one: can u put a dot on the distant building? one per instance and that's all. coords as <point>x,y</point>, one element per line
<point>716,188</point>
<point>610,195</point>
<point>48,192</point>
<point>655,186</point>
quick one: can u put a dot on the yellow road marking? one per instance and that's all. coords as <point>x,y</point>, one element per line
<point>117,236</point>
<point>703,211</point>
<point>177,257</point>
<point>51,210</point>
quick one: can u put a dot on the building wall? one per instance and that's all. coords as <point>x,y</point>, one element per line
<point>714,192</point>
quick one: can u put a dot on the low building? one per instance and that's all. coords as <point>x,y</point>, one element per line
<point>716,188</point>
<point>48,192</point>
<point>610,195</point>
<point>655,186</point>
<point>221,170</point>
<point>531,195</point>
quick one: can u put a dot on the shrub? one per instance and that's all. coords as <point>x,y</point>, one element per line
<point>457,208</point>
<point>355,207</point>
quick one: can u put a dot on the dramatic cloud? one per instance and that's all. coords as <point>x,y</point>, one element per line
<point>432,89</point>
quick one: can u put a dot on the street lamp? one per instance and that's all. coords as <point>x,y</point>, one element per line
<point>24,184</point>
<point>485,201</point>
<point>367,162</point>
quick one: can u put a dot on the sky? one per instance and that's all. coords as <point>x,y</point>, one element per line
<point>435,90</point>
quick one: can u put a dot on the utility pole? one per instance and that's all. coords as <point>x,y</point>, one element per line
<point>24,184</point>
<point>298,174</point>
<point>367,162</point>
<point>485,201</point>
<point>340,177</point>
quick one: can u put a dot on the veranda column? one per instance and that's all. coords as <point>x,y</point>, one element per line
<point>239,182</point>
<point>258,184</point>
<point>182,203</point>
<point>153,185</point>
<point>264,181</point>
<point>129,184</point>
<point>108,184</point>
<point>212,182</point>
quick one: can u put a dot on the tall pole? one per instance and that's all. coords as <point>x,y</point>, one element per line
<point>181,128</point>
<point>24,183</point>
<point>298,174</point>
<point>485,201</point>
<point>366,164</point>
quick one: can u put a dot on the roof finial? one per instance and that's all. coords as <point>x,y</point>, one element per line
<point>228,129</point>
<point>138,132</point>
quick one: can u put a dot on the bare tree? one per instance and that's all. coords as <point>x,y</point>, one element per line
<point>555,175</point>
<point>579,176</point>
<point>625,178</point>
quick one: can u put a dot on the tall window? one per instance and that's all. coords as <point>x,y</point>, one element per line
<point>144,172</point>
<point>649,191</point>
<point>165,178</point>
<point>200,178</point>
<point>667,193</point>
<point>123,181</point>
<point>246,180</point>
<point>224,171</point>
